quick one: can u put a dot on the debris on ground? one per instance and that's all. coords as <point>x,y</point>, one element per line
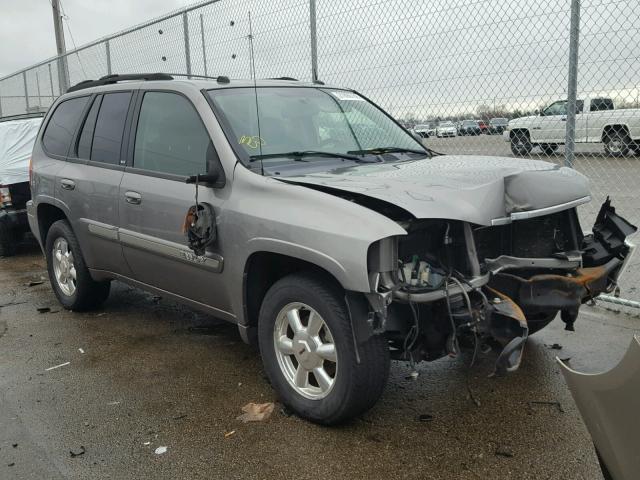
<point>43,309</point>
<point>545,402</point>
<point>256,412</point>
<point>114,403</point>
<point>57,366</point>
<point>11,464</point>
<point>180,417</point>
<point>413,375</point>
<point>228,434</point>
<point>555,346</point>
<point>160,450</point>
<point>35,283</point>
<point>14,445</point>
<point>503,451</point>
<point>81,350</point>
<point>425,417</point>
<point>73,454</point>
<point>147,443</point>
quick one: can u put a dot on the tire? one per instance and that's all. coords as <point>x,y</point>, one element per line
<point>548,148</point>
<point>520,143</point>
<point>7,239</point>
<point>538,321</point>
<point>617,143</point>
<point>79,293</point>
<point>354,388</point>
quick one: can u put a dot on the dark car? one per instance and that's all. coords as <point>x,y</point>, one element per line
<point>17,136</point>
<point>469,127</point>
<point>497,126</point>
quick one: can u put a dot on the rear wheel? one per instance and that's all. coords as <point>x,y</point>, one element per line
<point>307,348</point>
<point>7,239</point>
<point>617,143</point>
<point>68,274</point>
<point>520,143</point>
<point>548,148</point>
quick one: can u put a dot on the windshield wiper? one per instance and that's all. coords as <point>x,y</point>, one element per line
<point>379,150</point>
<point>308,153</point>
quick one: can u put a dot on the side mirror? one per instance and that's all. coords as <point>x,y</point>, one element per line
<point>214,178</point>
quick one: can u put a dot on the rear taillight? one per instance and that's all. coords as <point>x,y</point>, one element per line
<point>5,196</point>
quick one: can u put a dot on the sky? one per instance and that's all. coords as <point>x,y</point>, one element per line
<point>427,58</point>
<point>26,26</point>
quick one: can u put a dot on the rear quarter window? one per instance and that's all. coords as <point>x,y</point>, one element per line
<point>60,129</point>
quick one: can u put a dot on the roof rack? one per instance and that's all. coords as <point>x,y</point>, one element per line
<point>111,79</point>
<point>219,78</point>
<point>284,78</point>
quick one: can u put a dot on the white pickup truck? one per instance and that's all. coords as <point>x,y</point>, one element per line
<point>596,122</point>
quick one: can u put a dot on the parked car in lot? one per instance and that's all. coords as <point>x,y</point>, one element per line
<point>497,126</point>
<point>469,127</point>
<point>484,128</point>
<point>422,130</point>
<point>596,122</point>
<point>446,129</point>
<point>17,136</point>
<point>322,228</point>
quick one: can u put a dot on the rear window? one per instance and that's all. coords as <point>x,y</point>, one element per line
<point>60,129</point>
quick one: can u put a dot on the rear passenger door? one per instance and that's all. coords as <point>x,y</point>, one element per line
<point>89,183</point>
<point>169,142</point>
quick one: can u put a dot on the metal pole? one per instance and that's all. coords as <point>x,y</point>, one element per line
<point>63,74</point>
<point>38,88</point>
<point>314,40</point>
<point>204,50</point>
<point>107,48</point>
<point>51,82</point>
<point>26,92</point>
<point>187,50</point>
<point>572,88</point>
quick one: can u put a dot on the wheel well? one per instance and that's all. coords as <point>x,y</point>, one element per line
<point>518,130</point>
<point>610,129</point>
<point>263,269</point>
<point>47,214</point>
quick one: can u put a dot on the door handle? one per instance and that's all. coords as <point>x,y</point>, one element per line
<point>134,198</point>
<point>67,184</point>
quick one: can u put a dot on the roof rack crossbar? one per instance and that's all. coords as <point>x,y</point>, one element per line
<point>111,79</point>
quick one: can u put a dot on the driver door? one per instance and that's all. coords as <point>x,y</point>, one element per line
<point>551,126</point>
<point>169,144</point>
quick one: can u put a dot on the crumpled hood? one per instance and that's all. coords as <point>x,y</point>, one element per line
<point>470,188</point>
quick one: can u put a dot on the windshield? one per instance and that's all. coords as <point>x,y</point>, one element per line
<point>469,123</point>
<point>445,124</point>
<point>302,119</point>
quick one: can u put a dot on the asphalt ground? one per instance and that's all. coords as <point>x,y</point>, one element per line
<point>155,374</point>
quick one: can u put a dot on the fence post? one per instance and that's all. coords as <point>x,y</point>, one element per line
<point>107,51</point>
<point>26,92</point>
<point>51,81</point>
<point>572,88</point>
<point>187,50</point>
<point>204,51</point>
<point>0,103</point>
<point>314,40</point>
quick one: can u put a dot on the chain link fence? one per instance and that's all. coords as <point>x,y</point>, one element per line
<point>451,70</point>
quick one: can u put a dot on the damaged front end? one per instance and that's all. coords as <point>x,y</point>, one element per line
<point>451,284</point>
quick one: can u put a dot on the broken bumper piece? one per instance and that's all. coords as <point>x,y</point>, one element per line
<point>608,403</point>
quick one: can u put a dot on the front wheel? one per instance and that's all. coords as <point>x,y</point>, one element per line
<point>68,274</point>
<point>520,143</point>
<point>307,348</point>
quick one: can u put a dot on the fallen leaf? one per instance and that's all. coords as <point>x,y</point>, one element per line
<point>256,412</point>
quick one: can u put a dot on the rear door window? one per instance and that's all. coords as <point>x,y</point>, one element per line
<point>107,137</point>
<point>86,135</point>
<point>59,132</point>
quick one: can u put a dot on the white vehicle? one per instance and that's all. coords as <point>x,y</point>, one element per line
<point>596,122</point>
<point>423,130</point>
<point>446,129</point>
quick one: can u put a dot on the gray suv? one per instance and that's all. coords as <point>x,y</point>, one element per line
<point>310,218</point>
